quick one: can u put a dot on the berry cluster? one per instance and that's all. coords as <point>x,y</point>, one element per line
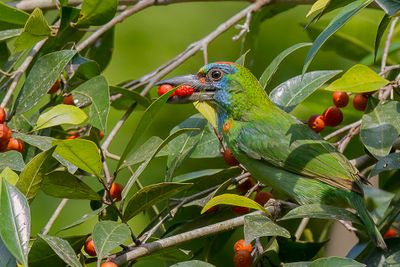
<point>333,116</point>
<point>182,91</point>
<point>7,142</point>
<point>242,256</point>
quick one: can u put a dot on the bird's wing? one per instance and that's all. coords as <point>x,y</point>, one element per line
<point>283,141</point>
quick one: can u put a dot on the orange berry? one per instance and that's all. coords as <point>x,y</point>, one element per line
<point>54,88</point>
<point>89,247</point>
<point>5,134</point>
<point>229,158</point>
<point>242,245</point>
<point>262,197</point>
<point>360,102</point>
<point>164,88</point>
<point>109,264</point>
<point>246,185</point>
<point>333,116</point>
<point>68,100</point>
<point>116,191</point>
<point>316,123</point>
<point>3,115</point>
<point>240,210</point>
<point>15,144</point>
<point>340,99</point>
<point>184,90</point>
<point>390,233</point>
<point>242,258</point>
<point>101,135</point>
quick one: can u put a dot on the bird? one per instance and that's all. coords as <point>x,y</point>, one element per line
<point>274,146</point>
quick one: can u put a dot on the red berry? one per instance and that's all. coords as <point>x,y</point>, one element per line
<point>242,245</point>
<point>360,102</point>
<point>229,158</point>
<point>109,264</point>
<point>262,197</point>
<point>316,123</point>
<point>15,144</point>
<point>242,258</point>
<point>246,185</point>
<point>390,233</point>
<point>101,135</point>
<point>55,87</point>
<point>333,116</point>
<point>89,247</point>
<point>212,209</point>
<point>240,210</point>
<point>73,135</point>
<point>5,134</point>
<point>68,100</point>
<point>184,90</point>
<point>164,88</point>
<point>3,115</point>
<point>340,99</point>
<point>116,191</point>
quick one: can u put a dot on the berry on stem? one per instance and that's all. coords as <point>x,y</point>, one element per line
<point>360,102</point>
<point>164,88</point>
<point>340,99</point>
<point>316,123</point>
<point>109,264</point>
<point>262,197</point>
<point>116,191</point>
<point>3,115</point>
<point>242,245</point>
<point>333,116</point>
<point>229,158</point>
<point>89,247</point>
<point>242,258</point>
<point>15,144</point>
<point>5,134</point>
<point>54,88</point>
<point>245,185</point>
<point>101,135</point>
<point>240,210</point>
<point>68,100</point>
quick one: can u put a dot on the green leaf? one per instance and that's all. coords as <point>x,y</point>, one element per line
<point>127,98</point>
<point>12,15</point>
<point>41,254</point>
<point>256,226</point>
<point>42,76</point>
<point>82,153</point>
<point>208,145</point>
<point>151,195</point>
<point>391,7</point>
<point>380,126</point>
<point>378,201</point>
<point>8,34</point>
<point>150,113</point>
<point>96,89</point>
<point>337,22</point>
<point>321,212</point>
<point>273,66</point>
<point>84,69</point>
<point>381,30</point>
<point>242,58</point>
<point>234,200</point>
<point>35,30</point>
<point>45,143</point>
<point>317,7</point>
<point>61,114</point>
<point>289,94</point>
<point>150,156</point>
<point>195,175</point>
<point>387,163</point>
<point>65,185</point>
<point>32,175</point>
<point>393,260</point>
<point>358,79</point>
<point>11,159</point>
<point>15,223</point>
<point>83,219</point>
<point>107,235</point>
<point>6,258</point>
<point>335,261</point>
<point>193,263</point>
<point>102,49</point>
<point>145,151</point>
<point>10,176</point>
<point>63,249</point>
<point>96,13</point>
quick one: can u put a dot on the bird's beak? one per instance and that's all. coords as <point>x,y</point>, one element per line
<point>202,90</point>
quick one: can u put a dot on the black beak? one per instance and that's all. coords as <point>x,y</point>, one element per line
<point>202,90</point>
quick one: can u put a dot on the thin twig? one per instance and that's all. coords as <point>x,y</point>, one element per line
<point>21,69</point>
<point>300,229</point>
<point>342,130</point>
<point>342,144</point>
<point>54,216</point>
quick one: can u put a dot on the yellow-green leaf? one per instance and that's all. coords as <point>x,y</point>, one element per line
<point>317,7</point>
<point>234,200</point>
<point>358,79</point>
<point>60,114</point>
<point>208,112</point>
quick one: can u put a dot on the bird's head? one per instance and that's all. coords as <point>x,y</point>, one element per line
<point>224,84</point>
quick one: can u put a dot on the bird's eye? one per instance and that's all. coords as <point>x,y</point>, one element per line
<point>215,75</point>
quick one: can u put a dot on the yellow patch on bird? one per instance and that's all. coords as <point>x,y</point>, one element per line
<point>208,112</point>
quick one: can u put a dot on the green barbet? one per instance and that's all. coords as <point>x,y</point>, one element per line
<point>274,146</point>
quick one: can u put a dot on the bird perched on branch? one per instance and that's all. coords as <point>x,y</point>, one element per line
<point>274,146</point>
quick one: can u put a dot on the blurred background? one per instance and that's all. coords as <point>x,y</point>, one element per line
<point>157,34</point>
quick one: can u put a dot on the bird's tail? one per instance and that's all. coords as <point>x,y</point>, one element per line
<point>364,215</point>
